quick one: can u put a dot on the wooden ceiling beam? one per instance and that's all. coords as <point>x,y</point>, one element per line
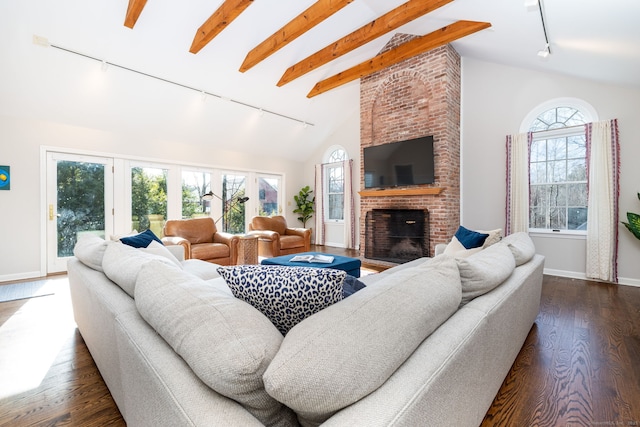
<point>407,50</point>
<point>315,14</point>
<point>133,12</point>
<point>396,18</point>
<point>218,21</point>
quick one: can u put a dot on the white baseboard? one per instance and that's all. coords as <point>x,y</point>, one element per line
<point>576,275</point>
<point>335,245</point>
<point>20,276</point>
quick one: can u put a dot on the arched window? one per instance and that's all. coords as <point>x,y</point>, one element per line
<point>558,169</point>
<point>334,184</point>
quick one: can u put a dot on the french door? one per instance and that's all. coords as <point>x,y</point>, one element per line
<point>79,201</point>
<point>269,195</point>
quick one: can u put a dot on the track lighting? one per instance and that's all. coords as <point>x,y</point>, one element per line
<point>42,41</point>
<point>544,52</point>
<point>531,5</point>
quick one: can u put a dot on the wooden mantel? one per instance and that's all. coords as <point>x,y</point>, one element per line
<point>418,191</point>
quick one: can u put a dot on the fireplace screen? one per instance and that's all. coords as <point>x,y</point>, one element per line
<point>396,235</point>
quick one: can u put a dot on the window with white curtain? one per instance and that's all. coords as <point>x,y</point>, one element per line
<point>558,171</point>
<point>334,185</point>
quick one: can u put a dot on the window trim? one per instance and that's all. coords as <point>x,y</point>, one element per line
<point>327,164</point>
<point>590,115</point>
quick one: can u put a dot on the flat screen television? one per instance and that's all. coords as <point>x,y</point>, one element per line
<point>399,164</point>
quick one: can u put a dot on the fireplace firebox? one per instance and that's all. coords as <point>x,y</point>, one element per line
<point>396,235</point>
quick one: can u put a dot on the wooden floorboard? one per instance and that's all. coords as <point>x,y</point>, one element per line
<point>580,363</point>
<point>579,366</point>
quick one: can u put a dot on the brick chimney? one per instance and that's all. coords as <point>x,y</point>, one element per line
<point>414,98</point>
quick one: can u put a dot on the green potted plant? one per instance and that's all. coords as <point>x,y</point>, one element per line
<point>304,205</point>
<point>634,222</point>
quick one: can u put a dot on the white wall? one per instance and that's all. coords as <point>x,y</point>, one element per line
<point>495,100</point>
<point>21,212</point>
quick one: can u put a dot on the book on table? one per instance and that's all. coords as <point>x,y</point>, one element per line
<point>325,259</point>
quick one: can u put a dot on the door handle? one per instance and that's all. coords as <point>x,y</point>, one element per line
<point>50,212</point>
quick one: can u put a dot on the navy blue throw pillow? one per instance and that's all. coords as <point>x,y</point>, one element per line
<point>141,240</point>
<point>470,239</point>
<point>351,285</point>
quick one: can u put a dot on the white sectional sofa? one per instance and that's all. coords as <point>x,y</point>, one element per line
<point>424,343</point>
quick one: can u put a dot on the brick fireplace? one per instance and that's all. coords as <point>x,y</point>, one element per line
<point>412,99</point>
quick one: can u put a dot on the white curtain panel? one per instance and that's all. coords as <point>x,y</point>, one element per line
<point>319,192</point>
<point>517,183</point>
<point>602,215</point>
<point>349,213</point>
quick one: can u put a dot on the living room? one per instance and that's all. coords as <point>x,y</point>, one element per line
<point>76,81</point>
<point>56,100</point>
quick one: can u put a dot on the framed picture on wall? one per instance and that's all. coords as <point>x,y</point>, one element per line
<point>5,177</point>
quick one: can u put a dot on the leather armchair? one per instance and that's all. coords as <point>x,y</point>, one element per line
<point>275,238</point>
<point>201,240</point>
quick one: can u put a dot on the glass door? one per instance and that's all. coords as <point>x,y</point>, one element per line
<point>149,198</point>
<point>269,195</point>
<point>79,201</point>
<point>234,197</point>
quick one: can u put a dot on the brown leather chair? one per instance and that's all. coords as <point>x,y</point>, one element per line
<point>201,240</point>
<point>275,238</point>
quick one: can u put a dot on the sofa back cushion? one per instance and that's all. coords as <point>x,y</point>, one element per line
<point>227,343</point>
<point>276,223</point>
<point>482,272</point>
<point>90,250</point>
<point>344,352</point>
<point>521,246</point>
<point>195,230</point>
<point>122,263</point>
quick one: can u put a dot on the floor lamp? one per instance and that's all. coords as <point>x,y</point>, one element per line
<point>228,205</point>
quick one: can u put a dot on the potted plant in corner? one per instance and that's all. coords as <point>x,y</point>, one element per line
<point>304,205</point>
<point>634,223</point>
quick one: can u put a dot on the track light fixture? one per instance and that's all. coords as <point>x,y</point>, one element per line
<point>544,52</point>
<point>532,5</point>
<point>42,41</point>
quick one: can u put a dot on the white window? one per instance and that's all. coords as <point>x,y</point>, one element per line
<point>558,170</point>
<point>334,185</point>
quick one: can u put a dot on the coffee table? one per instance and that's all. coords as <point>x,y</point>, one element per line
<point>350,265</point>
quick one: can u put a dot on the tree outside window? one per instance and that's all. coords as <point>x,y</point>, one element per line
<point>194,185</point>
<point>149,199</point>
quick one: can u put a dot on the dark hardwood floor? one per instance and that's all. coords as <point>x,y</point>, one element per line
<point>580,365</point>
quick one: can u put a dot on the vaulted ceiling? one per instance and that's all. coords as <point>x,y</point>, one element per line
<point>314,15</point>
<point>249,74</point>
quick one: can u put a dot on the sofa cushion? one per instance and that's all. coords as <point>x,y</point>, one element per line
<point>122,263</point>
<point>195,230</point>
<point>470,239</point>
<point>485,270</point>
<point>286,295</point>
<point>346,351</point>
<point>521,246</point>
<point>202,269</point>
<point>456,249</point>
<point>210,251</point>
<point>290,241</point>
<point>351,285</point>
<point>141,240</point>
<point>227,343</point>
<point>159,249</point>
<point>276,223</point>
<point>90,250</point>
<point>494,237</point>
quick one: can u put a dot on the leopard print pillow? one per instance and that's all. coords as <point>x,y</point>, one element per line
<point>286,295</point>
